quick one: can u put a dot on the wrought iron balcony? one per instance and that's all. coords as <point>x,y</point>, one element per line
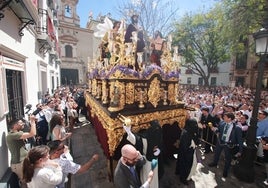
<point>25,11</point>
<point>43,38</point>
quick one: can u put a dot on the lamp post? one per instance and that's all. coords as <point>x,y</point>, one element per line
<point>244,171</point>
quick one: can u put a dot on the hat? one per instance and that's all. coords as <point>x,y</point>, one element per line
<point>205,108</point>
<point>264,112</point>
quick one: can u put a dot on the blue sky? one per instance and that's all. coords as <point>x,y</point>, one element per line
<point>109,6</point>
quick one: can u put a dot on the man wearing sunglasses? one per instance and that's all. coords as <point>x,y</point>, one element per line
<point>125,175</point>
<point>16,144</point>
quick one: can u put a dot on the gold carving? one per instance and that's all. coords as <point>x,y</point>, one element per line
<point>94,87</point>
<point>171,93</point>
<point>121,89</point>
<point>114,127</point>
<point>154,94</point>
<point>130,93</point>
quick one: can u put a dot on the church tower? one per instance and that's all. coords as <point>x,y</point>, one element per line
<point>75,44</point>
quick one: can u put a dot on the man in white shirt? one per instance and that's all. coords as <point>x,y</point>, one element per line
<point>60,153</point>
<point>49,110</point>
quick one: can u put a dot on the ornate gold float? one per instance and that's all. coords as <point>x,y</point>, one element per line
<point>117,90</point>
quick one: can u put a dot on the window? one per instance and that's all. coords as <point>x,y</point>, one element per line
<point>15,96</point>
<point>200,81</point>
<point>213,81</point>
<point>68,51</point>
<point>68,11</point>
<point>53,84</point>
<point>189,80</point>
<point>241,61</point>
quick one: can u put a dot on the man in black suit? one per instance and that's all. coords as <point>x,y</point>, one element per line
<point>125,174</point>
<point>229,139</point>
<point>207,120</point>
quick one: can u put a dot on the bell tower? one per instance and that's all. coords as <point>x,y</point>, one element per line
<point>68,14</point>
<point>74,44</point>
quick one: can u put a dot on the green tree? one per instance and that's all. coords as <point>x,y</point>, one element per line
<point>241,19</point>
<point>201,44</point>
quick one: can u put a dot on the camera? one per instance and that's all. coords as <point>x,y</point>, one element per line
<point>28,107</point>
<point>36,111</point>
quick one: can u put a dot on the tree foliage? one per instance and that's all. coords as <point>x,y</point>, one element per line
<point>201,44</point>
<point>242,19</point>
<point>207,39</point>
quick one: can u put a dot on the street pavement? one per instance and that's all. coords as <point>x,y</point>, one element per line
<point>84,144</point>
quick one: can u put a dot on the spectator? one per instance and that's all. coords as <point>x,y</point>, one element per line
<point>60,154</point>
<point>49,110</point>
<point>230,137</point>
<point>262,130</point>
<point>57,128</point>
<point>71,112</point>
<point>16,145</point>
<point>207,121</point>
<point>243,123</point>
<point>39,171</point>
<point>125,175</point>
<point>42,124</point>
<point>264,142</point>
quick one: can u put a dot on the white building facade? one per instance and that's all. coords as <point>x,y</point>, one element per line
<point>220,77</point>
<point>29,62</point>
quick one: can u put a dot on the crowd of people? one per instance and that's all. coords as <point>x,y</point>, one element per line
<point>47,161</point>
<point>223,115</point>
<point>220,120</point>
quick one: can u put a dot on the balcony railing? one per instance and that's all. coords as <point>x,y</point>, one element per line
<point>25,11</point>
<point>42,32</point>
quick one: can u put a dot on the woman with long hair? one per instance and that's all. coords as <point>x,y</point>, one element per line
<point>57,128</point>
<point>39,171</point>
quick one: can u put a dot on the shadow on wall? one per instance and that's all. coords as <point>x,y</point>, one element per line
<point>3,155</point>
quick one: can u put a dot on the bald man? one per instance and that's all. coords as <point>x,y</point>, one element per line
<point>125,175</point>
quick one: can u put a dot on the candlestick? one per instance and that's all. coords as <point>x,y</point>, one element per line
<point>141,105</point>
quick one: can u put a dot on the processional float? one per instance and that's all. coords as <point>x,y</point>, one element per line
<point>119,93</point>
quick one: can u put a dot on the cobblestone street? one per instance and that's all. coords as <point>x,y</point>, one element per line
<point>84,144</point>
